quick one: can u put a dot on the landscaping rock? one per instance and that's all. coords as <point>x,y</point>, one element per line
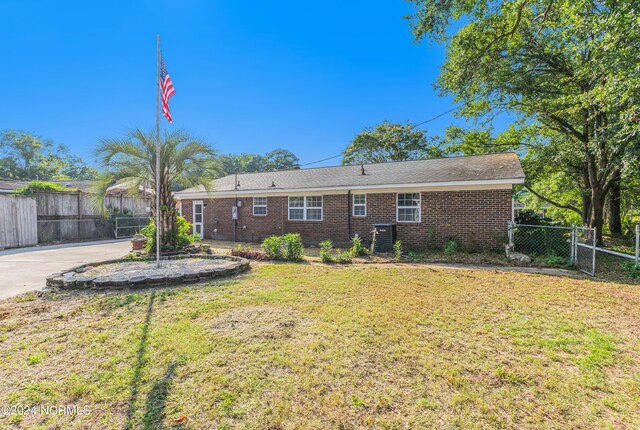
<point>173,270</point>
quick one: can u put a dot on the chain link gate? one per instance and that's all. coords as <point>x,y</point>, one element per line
<point>128,226</point>
<point>584,249</point>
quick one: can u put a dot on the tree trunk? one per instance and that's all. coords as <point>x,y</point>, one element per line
<point>586,208</point>
<point>597,213</point>
<point>615,219</point>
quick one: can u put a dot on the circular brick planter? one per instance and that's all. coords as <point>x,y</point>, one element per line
<point>142,273</point>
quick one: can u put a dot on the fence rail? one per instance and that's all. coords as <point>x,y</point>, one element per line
<point>635,256</point>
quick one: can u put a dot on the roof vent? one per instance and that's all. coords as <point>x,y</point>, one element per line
<point>238,185</point>
<point>273,184</point>
<point>362,169</point>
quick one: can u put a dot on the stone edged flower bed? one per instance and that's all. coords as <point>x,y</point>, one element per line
<point>84,276</point>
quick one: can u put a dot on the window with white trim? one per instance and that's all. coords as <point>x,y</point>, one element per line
<point>359,205</point>
<point>408,207</point>
<point>307,208</point>
<point>259,206</point>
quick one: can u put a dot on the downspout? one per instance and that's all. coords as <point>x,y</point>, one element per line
<point>349,212</point>
<point>235,221</point>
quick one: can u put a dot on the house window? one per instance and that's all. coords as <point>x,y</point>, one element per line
<point>259,206</point>
<point>408,207</point>
<point>308,208</point>
<point>359,205</point>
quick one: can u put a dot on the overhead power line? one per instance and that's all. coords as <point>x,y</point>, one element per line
<point>440,115</point>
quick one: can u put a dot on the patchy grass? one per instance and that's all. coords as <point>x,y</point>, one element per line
<point>292,346</point>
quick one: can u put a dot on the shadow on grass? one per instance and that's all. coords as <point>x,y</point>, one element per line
<point>154,412</point>
<point>140,361</point>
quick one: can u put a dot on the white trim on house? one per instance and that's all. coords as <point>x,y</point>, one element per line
<point>354,204</point>
<point>254,206</point>
<point>305,209</point>
<point>363,189</point>
<point>193,215</point>
<point>419,207</point>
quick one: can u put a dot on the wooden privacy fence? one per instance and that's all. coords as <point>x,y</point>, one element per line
<point>64,216</point>
<point>47,217</point>
<point>18,221</point>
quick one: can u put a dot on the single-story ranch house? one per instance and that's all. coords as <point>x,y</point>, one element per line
<point>468,199</point>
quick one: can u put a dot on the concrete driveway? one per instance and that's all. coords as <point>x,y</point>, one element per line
<point>26,269</point>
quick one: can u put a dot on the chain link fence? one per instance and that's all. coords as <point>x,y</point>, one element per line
<point>556,245</point>
<point>128,226</point>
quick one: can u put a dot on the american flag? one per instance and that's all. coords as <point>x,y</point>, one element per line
<point>167,90</point>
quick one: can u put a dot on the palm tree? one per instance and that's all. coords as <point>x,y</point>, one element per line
<point>184,162</point>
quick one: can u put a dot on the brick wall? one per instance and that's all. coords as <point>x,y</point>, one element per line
<point>475,219</point>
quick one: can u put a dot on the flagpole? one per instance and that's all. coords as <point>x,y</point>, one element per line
<point>158,223</point>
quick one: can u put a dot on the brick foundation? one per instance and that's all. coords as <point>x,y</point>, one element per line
<point>474,218</point>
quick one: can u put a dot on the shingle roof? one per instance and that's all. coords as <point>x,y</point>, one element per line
<point>489,167</point>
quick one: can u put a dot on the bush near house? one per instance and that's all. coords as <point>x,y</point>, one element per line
<point>357,248</point>
<point>285,248</point>
<point>451,247</point>
<point>397,249</point>
<point>330,255</point>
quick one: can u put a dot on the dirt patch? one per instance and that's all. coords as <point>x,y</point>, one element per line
<point>259,323</point>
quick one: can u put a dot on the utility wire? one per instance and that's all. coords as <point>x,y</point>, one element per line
<point>440,115</point>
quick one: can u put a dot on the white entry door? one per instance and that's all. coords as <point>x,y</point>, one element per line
<point>198,217</point>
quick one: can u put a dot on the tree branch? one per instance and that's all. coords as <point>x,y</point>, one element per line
<point>566,126</point>
<point>548,200</point>
<point>543,17</point>
<point>508,33</point>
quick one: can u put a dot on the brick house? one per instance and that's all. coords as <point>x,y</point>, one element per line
<point>468,199</point>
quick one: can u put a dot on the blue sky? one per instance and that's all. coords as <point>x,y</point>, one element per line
<point>249,76</point>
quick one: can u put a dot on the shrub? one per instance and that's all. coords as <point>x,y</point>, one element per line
<point>397,249</point>
<point>248,253</point>
<point>451,247</point>
<point>414,255</point>
<point>288,247</point>
<point>326,251</point>
<point>555,260</point>
<point>343,256</point>
<point>357,248</point>
<point>293,249</point>
<point>330,255</point>
<point>530,217</point>
<point>34,186</point>
<point>632,269</point>
<point>174,239</point>
<point>272,246</point>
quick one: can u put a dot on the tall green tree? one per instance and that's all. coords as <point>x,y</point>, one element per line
<point>564,68</point>
<point>389,141</point>
<point>24,155</point>
<point>278,159</point>
<point>184,162</point>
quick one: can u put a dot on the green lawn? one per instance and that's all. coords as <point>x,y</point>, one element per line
<point>293,346</point>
